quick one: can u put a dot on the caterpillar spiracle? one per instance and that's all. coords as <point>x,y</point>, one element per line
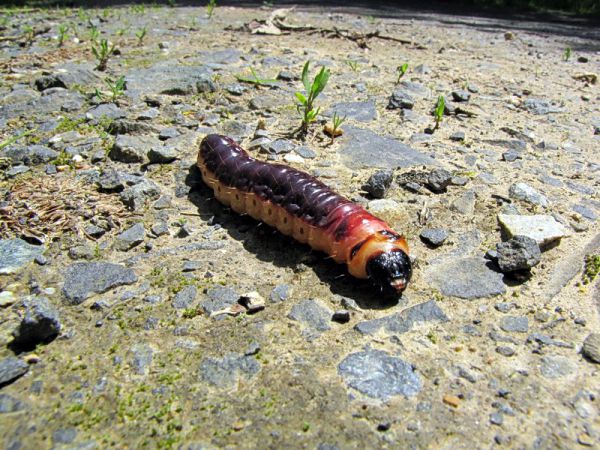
<point>299,205</point>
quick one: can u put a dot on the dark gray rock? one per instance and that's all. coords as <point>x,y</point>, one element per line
<point>434,236</point>
<point>378,183</point>
<point>591,347</point>
<point>226,372</point>
<point>136,196</point>
<point>141,358</point>
<point>461,95</point>
<point>105,111</point>
<point>70,76</point>
<point>404,321</point>
<point>168,133</point>
<point>132,149</point>
<point>518,253</point>
<point>15,254</point>
<point>467,278</point>
<point>111,181</point>
<point>586,212</point>
<point>185,298</point>
<point>94,231</point>
<point>166,78</point>
<point>312,314</point>
<point>30,155</point>
<point>511,155</point>
<point>162,155</point>
<point>219,298</point>
<point>10,404</point>
<point>359,111</point>
<point>414,88</point>
<point>524,192</point>
<point>15,171</point>
<point>130,238</point>
<point>40,323</point>
<point>236,89</point>
<point>341,316</point>
<point>515,324</point>
<point>160,228</point>
<point>378,375</point>
<point>400,99</point>
<point>438,180</point>
<point>64,435</point>
<point>280,293</point>
<point>363,148</point>
<point>12,368</point>
<point>85,279</point>
<point>280,146</point>
<point>127,127</point>
<point>148,114</point>
<point>191,266</point>
<point>553,366</point>
<point>540,107</point>
<point>286,75</point>
<point>505,307</point>
<point>305,152</point>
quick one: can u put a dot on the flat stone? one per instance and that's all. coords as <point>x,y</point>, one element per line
<point>219,298</point>
<point>540,106</point>
<point>185,298</point>
<point>305,152</point>
<point>515,324</point>
<point>15,254</point>
<point>586,212</point>
<point>280,146</point>
<point>132,149</point>
<point>591,347</point>
<point>69,76</point>
<point>130,238</point>
<point>465,204</point>
<point>312,313</point>
<point>461,95</point>
<point>12,368</point>
<point>226,372</point>
<point>467,278</point>
<point>434,236</point>
<point>556,366</point>
<point>438,180</point>
<point>39,324</point>
<point>84,279</point>
<point>404,321</point>
<point>105,111</point>
<point>169,79</point>
<point>524,192</point>
<point>280,293</point>
<point>543,229</point>
<point>400,99</point>
<point>518,253</point>
<point>378,183</point>
<point>358,150</point>
<point>379,375</point>
<point>136,196</point>
<point>162,155</point>
<point>359,111</point>
<point>141,358</point>
<point>160,228</point>
<point>30,155</point>
<point>10,404</point>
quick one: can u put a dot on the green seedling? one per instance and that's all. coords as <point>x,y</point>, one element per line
<point>117,89</point>
<point>94,34</point>
<point>401,71</point>
<point>352,64</point>
<point>141,34</point>
<point>102,53</point>
<point>62,34</point>
<point>210,8</point>
<point>439,111</point>
<point>591,268</point>
<point>336,122</point>
<point>29,34</point>
<point>567,54</point>
<point>255,79</point>
<point>141,9</point>
<point>11,140</point>
<point>306,107</point>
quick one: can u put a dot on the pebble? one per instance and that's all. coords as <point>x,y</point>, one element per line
<point>378,184</point>
<point>15,254</point>
<point>10,404</point>
<point>518,253</point>
<point>511,155</point>
<point>185,298</point>
<point>524,192</point>
<point>86,278</point>
<point>311,313</point>
<point>40,323</point>
<point>130,238</point>
<point>218,299</point>
<point>505,350</point>
<point>30,155</point>
<point>305,152</point>
<point>12,368</point>
<point>141,358</point>
<point>404,321</point>
<point>451,400</point>
<point>341,316</point>
<point>160,228</point>
<point>434,236</point>
<point>496,419</point>
<point>400,99</point>
<point>280,293</point>
<point>556,366</point>
<point>168,133</point>
<point>379,375</point>
<point>162,155</point>
<point>132,149</point>
<point>226,372</point>
<point>465,204</point>
<point>543,229</point>
<point>383,205</point>
<point>459,136</point>
<point>591,348</point>
<point>515,324</point>
<point>461,95</point>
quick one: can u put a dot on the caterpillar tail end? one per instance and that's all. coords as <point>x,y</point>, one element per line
<point>391,271</point>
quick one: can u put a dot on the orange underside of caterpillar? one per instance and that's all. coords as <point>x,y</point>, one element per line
<point>348,233</point>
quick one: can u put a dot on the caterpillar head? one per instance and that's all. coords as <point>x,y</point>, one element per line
<point>391,271</point>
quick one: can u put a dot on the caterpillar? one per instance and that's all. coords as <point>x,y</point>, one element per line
<point>299,205</point>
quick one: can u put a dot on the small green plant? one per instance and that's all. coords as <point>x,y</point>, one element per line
<point>140,9</point>
<point>102,53</point>
<point>29,34</point>
<point>352,64</point>
<point>336,121</point>
<point>306,107</point>
<point>94,34</point>
<point>117,89</point>
<point>190,313</point>
<point>401,71</point>
<point>13,139</point>
<point>591,268</point>
<point>439,111</point>
<point>210,8</point>
<point>255,79</point>
<point>62,34</point>
<point>141,34</point>
<point>567,54</point>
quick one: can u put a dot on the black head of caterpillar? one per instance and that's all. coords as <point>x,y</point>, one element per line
<point>391,271</point>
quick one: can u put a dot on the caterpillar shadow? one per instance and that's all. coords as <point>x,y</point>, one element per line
<point>269,245</point>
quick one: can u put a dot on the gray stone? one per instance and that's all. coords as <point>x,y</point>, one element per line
<point>540,107</point>
<point>518,253</point>
<point>169,79</point>
<point>515,324</point>
<point>459,136</point>
<point>312,313</point>
<point>236,89</point>
<point>185,298</point>
<point>434,236</point>
<point>505,350</point>
<point>82,252</point>
<point>111,181</point>
<point>465,204</point>
<point>543,229</point>
<point>235,129</point>
<point>191,266</point>
<point>524,192</point>
<point>136,196</point>
<point>105,111</point>
<point>496,418</point>
<point>378,375</point>
<point>305,152</point>
<point>141,358</point>
<point>126,127</point>
<point>556,366</point>
<point>423,69</point>
<point>591,347</point>
<point>358,150</point>
<point>85,279</point>
<point>415,88</point>
<point>130,238</point>
<point>461,95</point>
<point>40,323</point>
<point>511,155</point>
<point>30,155</point>
<point>438,180</point>
<point>280,146</point>
<point>12,368</point>
<point>15,254</point>
<point>400,99</point>
<point>94,231</point>
<point>226,372</point>
<point>15,171</point>
<point>10,404</point>
<point>586,212</point>
<point>132,149</point>
<point>148,114</point>
<point>280,293</point>
<point>467,278</point>
<point>64,435</point>
<point>69,76</point>
<point>359,111</point>
<point>378,183</point>
<point>160,228</point>
<point>382,205</point>
<point>219,298</point>
<point>404,321</point>
<point>162,155</point>
<point>168,133</point>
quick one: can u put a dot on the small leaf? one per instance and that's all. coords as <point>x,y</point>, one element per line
<point>300,97</point>
<point>305,80</point>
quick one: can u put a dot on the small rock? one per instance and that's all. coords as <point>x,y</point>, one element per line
<point>496,419</point>
<point>305,152</point>
<point>130,238</point>
<point>163,202</point>
<point>434,236</point>
<point>556,366</point>
<point>132,149</point>
<point>252,301</point>
<point>451,400</point>
<point>40,323</point>
<point>94,231</point>
<point>505,350</point>
<point>184,298</point>
<point>160,228</point>
<point>226,372</point>
<point>341,316</point>
<point>162,155</point>
<point>540,107</point>
<point>379,183</point>
<point>311,313</point>
<point>12,368</point>
<point>15,254</point>
<point>591,348</point>
<point>461,95</point>
<point>141,358</point>
<point>280,146</point>
<point>511,155</point>
<point>459,136</point>
<point>135,196</point>
<point>518,253</point>
<point>515,324</point>
<point>219,298</point>
<point>64,436</point>
<point>280,293</point>
<point>381,206</point>
<point>524,192</point>
<point>168,133</point>
<point>543,229</point>
<point>9,404</point>
<point>191,266</point>
<point>465,204</point>
<point>400,99</point>
<point>16,170</point>
<point>84,279</point>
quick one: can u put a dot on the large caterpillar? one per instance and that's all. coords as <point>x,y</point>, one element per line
<point>300,206</point>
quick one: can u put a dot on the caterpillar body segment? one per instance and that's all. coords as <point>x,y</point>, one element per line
<point>301,206</point>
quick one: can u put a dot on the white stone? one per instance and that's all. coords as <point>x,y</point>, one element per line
<point>544,229</point>
<point>291,158</point>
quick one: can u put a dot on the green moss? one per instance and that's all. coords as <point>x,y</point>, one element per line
<point>591,268</point>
